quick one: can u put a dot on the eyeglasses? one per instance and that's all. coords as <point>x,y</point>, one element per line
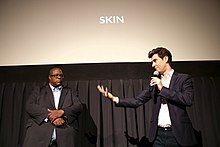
<point>58,75</point>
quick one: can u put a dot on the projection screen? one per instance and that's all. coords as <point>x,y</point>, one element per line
<point>100,31</point>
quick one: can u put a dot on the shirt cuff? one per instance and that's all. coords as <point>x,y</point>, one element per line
<point>46,119</point>
<point>116,100</point>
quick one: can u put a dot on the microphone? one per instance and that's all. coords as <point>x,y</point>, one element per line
<point>155,74</point>
<point>154,87</point>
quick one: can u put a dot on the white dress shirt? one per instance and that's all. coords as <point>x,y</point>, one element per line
<point>164,115</point>
<point>56,94</point>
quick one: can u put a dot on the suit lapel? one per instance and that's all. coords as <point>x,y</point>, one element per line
<point>173,79</point>
<point>62,97</point>
<point>49,96</point>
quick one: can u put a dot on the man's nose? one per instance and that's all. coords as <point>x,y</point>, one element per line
<point>153,64</point>
<point>59,76</point>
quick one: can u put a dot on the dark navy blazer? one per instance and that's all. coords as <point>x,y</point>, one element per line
<point>179,95</point>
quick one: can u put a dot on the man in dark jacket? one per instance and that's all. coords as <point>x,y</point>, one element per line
<point>172,93</point>
<point>53,112</point>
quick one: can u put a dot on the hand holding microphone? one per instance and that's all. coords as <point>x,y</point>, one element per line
<point>155,81</point>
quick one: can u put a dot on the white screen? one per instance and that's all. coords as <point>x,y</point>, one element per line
<point>72,31</point>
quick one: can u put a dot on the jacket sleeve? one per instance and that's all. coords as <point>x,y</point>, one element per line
<point>37,112</point>
<point>134,102</point>
<point>74,110</point>
<point>182,91</point>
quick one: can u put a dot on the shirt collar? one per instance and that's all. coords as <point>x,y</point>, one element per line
<point>169,75</point>
<point>59,87</point>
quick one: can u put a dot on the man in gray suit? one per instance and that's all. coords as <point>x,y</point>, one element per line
<point>171,92</point>
<point>53,114</point>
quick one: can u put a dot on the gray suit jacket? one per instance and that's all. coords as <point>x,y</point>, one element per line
<point>179,95</point>
<point>39,132</point>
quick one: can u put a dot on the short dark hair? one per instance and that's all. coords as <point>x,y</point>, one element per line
<point>162,52</point>
<point>54,68</point>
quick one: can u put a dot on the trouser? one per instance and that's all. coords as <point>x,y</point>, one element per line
<point>165,138</point>
<point>53,144</point>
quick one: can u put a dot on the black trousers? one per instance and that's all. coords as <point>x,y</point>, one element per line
<point>53,144</point>
<point>165,138</point>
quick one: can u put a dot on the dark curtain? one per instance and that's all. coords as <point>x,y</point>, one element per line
<point>104,125</point>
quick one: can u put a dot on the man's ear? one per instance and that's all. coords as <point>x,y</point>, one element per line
<point>165,58</point>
